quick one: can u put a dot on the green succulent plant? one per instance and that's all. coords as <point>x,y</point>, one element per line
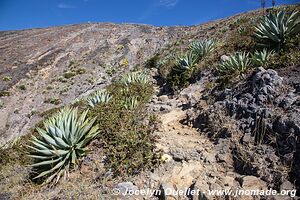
<point>202,48</point>
<point>260,58</point>
<point>100,96</point>
<point>274,29</point>
<point>186,63</point>
<point>134,77</point>
<point>130,103</point>
<point>237,62</point>
<point>61,143</point>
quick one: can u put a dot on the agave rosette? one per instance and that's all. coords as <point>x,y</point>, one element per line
<point>100,96</point>
<point>275,28</point>
<point>237,62</point>
<point>63,141</point>
<point>202,48</point>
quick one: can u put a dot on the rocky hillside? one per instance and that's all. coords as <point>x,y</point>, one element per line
<point>44,68</point>
<point>171,122</point>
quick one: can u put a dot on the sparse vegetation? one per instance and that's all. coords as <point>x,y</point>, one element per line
<point>7,78</point>
<point>68,75</point>
<point>22,87</point>
<point>4,93</point>
<point>124,62</point>
<point>53,100</point>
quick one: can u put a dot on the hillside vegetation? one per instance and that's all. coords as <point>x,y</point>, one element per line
<point>90,109</point>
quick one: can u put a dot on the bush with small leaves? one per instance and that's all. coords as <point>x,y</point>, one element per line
<point>100,96</point>
<point>260,58</point>
<point>238,62</point>
<point>61,143</point>
<point>274,29</point>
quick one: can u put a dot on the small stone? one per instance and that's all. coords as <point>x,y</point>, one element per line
<point>165,108</point>
<point>163,98</point>
<point>252,182</point>
<point>210,158</point>
<point>223,58</point>
<point>166,158</point>
<point>228,181</point>
<point>247,138</point>
<point>287,185</point>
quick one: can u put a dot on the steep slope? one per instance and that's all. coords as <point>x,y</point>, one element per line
<point>56,65</point>
<point>43,67</point>
<point>210,131</point>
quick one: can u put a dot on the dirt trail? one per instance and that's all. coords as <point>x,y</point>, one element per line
<point>189,156</point>
<point>176,137</point>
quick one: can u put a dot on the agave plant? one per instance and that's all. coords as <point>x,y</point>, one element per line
<point>134,77</point>
<point>61,143</point>
<point>186,63</point>
<point>235,62</point>
<point>130,102</point>
<point>260,58</point>
<point>202,48</point>
<point>100,96</point>
<point>275,28</point>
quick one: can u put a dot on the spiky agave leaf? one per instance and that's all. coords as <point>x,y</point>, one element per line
<point>100,96</point>
<point>237,62</point>
<point>202,48</point>
<point>275,28</point>
<point>130,102</point>
<point>260,58</point>
<point>186,63</point>
<point>62,142</point>
<point>135,77</point>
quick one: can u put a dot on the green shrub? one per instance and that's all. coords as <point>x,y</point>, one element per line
<point>68,75</point>
<point>289,55</point>
<point>241,37</point>
<point>61,143</point>
<point>202,48</point>
<point>274,29</point>
<point>128,144</point>
<point>4,93</point>
<point>182,71</point>
<point>22,87</point>
<point>238,62</point>
<point>100,96</point>
<point>152,62</point>
<point>53,100</point>
<point>7,78</point>
<point>260,58</point>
